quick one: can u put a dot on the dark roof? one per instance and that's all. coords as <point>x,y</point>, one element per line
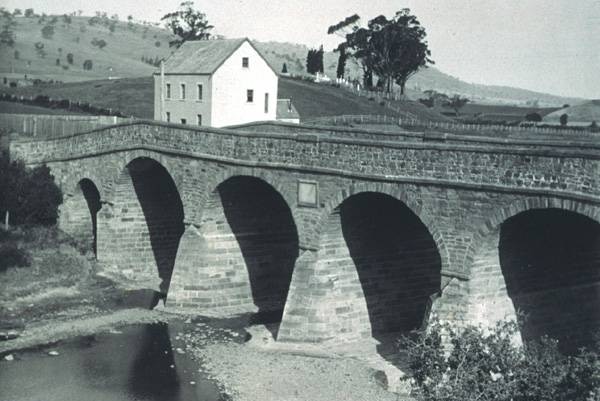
<point>283,109</point>
<point>204,56</point>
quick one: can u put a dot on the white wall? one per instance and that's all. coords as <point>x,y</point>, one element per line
<point>230,83</point>
<point>187,108</point>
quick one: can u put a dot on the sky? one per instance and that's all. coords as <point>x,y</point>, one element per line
<point>547,46</point>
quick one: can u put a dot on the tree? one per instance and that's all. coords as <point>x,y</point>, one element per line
<point>30,196</point>
<point>48,32</point>
<point>456,103</point>
<point>39,49</point>
<point>433,98</point>
<point>284,69</point>
<point>29,13</point>
<point>314,61</point>
<point>17,12</point>
<point>187,23</point>
<point>342,29</point>
<point>70,58</point>
<point>534,117</point>
<point>58,62</point>
<point>393,49</point>
<point>564,119</point>
<point>7,24</point>
<point>17,54</point>
<point>88,65</point>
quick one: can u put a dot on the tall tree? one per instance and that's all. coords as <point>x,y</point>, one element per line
<point>392,49</point>
<point>456,103</point>
<point>187,23</point>
<point>342,29</point>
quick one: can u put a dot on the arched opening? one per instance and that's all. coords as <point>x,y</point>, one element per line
<point>550,259</point>
<point>251,246</point>
<point>383,259</point>
<point>92,198</point>
<point>146,223</point>
<point>162,208</point>
<point>79,212</point>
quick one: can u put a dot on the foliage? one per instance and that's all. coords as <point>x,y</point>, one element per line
<point>564,119</point>
<point>434,98</point>
<point>343,28</point>
<point>48,32</point>
<point>17,54</point>
<point>314,61</point>
<point>88,65</point>
<point>488,365</point>
<point>29,195</point>
<point>594,127</point>
<point>12,256</point>
<point>393,49</point>
<point>70,58</point>
<point>456,103</point>
<point>29,13</point>
<point>99,43</point>
<point>7,24</point>
<point>39,49</point>
<point>284,69</point>
<point>535,117</point>
<point>187,23</point>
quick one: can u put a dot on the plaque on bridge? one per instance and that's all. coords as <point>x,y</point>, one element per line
<point>307,193</point>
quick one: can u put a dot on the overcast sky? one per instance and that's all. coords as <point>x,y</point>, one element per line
<point>549,46</point>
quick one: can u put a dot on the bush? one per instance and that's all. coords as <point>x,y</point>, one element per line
<point>535,117</point>
<point>29,195</point>
<point>88,65</point>
<point>478,365</point>
<point>48,32</point>
<point>12,256</point>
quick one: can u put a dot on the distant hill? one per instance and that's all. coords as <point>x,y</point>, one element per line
<point>128,42</point>
<point>581,114</point>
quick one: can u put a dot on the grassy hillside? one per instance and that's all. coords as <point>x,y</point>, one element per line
<point>121,57</point>
<point>135,97</point>
<point>128,42</point>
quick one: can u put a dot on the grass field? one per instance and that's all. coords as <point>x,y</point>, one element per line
<point>135,97</point>
<point>19,108</point>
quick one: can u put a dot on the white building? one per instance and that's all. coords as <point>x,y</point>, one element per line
<point>216,83</point>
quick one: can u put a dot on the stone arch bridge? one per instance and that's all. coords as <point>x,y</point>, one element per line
<point>343,234</point>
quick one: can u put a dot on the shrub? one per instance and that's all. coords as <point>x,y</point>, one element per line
<point>564,119</point>
<point>535,117</point>
<point>478,365</point>
<point>48,32</point>
<point>70,58</point>
<point>29,195</point>
<point>88,65</point>
<point>12,256</point>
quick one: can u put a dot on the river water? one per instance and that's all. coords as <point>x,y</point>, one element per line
<point>135,363</point>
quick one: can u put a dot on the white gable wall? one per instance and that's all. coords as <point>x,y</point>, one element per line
<point>230,84</point>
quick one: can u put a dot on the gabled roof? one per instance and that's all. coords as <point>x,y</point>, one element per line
<point>204,56</point>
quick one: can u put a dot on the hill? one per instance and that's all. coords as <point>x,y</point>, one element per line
<point>581,114</point>
<point>128,42</point>
<point>135,97</point>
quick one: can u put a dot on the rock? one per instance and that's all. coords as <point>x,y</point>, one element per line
<point>9,357</point>
<point>53,353</point>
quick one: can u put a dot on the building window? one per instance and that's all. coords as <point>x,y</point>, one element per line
<point>168,91</point>
<point>245,62</point>
<point>266,102</point>
<point>182,91</point>
<point>168,117</point>
<point>250,95</point>
<point>199,92</point>
<point>183,121</point>
<point>199,117</point>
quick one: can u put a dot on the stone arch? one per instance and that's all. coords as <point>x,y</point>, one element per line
<point>79,211</point>
<point>144,223</point>
<point>245,248</point>
<point>540,257</point>
<point>368,277</point>
<point>397,192</point>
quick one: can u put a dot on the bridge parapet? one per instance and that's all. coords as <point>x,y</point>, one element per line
<point>476,163</point>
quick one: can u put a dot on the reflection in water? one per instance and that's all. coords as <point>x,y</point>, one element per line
<point>152,373</point>
<point>137,364</point>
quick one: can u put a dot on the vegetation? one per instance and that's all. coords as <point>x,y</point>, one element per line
<point>314,61</point>
<point>48,32</point>
<point>187,24</point>
<point>564,119</point>
<point>29,196</point>
<point>7,25</point>
<point>482,365</point>
<point>456,103</point>
<point>393,49</point>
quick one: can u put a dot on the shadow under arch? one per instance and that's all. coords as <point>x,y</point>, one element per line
<point>79,214</point>
<point>550,261</point>
<point>396,258</point>
<point>251,219</point>
<point>163,215</point>
<point>92,197</point>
